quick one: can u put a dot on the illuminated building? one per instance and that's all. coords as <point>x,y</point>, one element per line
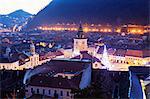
<point>20,61</point>
<point>132,29</point>
<point>67,75</point>
<point>74,27</point>
<point>119,58</point>
<point>80,42</point>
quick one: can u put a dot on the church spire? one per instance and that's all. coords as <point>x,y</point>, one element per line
<point>80,34</point>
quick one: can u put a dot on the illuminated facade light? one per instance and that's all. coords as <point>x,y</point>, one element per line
<point>105,30</point>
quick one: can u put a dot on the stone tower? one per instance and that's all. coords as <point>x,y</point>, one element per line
<point>80,42</point>
<point>32,48</point>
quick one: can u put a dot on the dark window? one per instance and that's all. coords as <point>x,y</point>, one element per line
<point>61,93</point>
<point>49,91</point>
<point>37,91</point>
<point>117,61</point>
<point>31,89</point>
<point>121,61</point>
<point>67,93</point>
<point>55,91</point>
<point>26,90</point>
<point>95,65</point>
<point>43,91</point>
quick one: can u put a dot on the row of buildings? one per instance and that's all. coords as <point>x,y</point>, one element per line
<point>119,59</point>
<point>65,72</point>
<point>132,29</point>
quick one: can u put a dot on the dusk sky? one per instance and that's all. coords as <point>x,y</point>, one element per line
<point>31,6</point>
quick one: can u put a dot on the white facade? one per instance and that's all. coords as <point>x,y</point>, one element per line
<point>33,58</point>
<point>9,66</point>
<point>33,62</point>
<point>80,44</point>
<point>47,91</point>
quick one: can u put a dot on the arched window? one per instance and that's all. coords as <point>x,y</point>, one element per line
<point>117,61</point>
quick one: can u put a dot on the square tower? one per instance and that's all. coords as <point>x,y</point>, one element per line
<point>80,42</point>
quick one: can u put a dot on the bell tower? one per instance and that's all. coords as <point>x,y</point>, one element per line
<point>80,42</point>
<point>34,58</point>
<point>32,48</point>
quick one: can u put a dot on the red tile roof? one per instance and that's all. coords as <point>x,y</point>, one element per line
<point>134,53</point>
<point>86,55</point>
<point>53,67</point>
<point>146,53</point>
<point>120,52</point>
<point>50,55</point>
<point>111,51</point>
<point>60,66</point>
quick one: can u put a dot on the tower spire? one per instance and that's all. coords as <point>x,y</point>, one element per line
<point>80,32</point>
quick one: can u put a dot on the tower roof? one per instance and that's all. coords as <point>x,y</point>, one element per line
<point>80,33</point>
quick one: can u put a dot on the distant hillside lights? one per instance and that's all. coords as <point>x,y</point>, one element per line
<point>74,27</point>
<point>133,29</point>
<point>85,29</point>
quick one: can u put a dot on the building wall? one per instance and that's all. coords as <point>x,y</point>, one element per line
<point>33,61</point>
<point>9,66</point>
<point>96,65</point>
<point>80,45</point>
<point>68,53</point>
<point>43,61</point>
<point>137,61</point>
<point>48,92</point>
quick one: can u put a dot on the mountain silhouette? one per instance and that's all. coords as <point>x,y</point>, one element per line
<point>15,18</point>
<point>19,13</point>
<point>93,11</point>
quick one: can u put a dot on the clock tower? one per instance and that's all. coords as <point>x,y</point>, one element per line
<point>80,42</point>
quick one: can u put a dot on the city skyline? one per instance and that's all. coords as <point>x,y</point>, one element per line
<point>70,49</point>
